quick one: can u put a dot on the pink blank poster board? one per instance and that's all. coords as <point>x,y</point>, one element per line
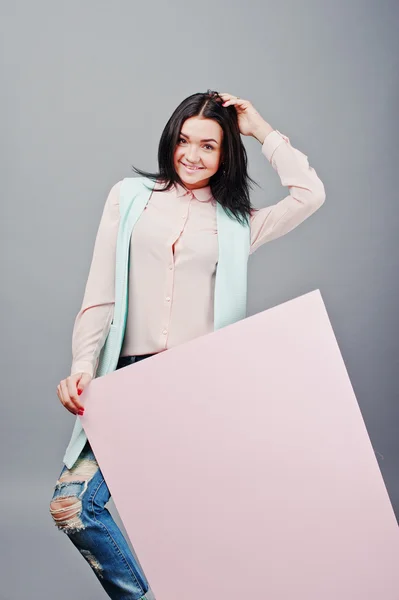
<point>241,466</point>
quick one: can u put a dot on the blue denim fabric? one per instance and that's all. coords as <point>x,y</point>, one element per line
<point>94,532</point>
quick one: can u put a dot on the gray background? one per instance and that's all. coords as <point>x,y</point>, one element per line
<point>87,88</point>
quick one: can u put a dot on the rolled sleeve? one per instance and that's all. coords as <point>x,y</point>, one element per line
<point>306,191</point>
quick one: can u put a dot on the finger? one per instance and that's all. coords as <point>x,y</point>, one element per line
<point>227,98</point>
<point>64,397</point>
<point>230,96</point>
<point>59,394</point>
<point>73,393</point>
<point>67,401</point>
<point>238,102</point>
<point>83,381</point>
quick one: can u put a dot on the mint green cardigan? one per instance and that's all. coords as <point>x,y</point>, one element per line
<point>230,286</point>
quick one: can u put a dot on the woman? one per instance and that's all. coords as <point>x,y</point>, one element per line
<point>173,262</point>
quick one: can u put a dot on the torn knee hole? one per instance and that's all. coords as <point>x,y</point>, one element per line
<point>65,508</point>
<point>66,513</point>
<point>66,505</point>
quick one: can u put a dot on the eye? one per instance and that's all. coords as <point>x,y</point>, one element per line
<point>208,146</point>
<point>181,140</point>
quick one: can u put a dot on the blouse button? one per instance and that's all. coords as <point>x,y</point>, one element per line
<point>164,332</point>
<point>168,299</point>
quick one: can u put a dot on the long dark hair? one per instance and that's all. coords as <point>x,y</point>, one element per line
<point>230,185</point>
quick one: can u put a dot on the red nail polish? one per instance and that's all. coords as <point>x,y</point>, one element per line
<point>79,392</point>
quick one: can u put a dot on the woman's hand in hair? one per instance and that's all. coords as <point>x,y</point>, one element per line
<point>69,390</point>
<point>250,121</point>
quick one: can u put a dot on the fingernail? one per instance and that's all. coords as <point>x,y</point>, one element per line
<point>79,392</point>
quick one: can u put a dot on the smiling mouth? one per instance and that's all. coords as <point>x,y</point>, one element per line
<point>192,168</point>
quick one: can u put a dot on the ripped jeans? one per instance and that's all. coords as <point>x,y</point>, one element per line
<point>78,509</point>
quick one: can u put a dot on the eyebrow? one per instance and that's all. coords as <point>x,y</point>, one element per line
<point>208,140</point>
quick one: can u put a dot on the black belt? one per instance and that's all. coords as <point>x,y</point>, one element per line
<point>124,361</point>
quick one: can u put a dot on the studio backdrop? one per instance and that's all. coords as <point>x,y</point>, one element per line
<point>87,88</point>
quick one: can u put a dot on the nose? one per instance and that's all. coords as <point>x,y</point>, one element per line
<point>192,155</point>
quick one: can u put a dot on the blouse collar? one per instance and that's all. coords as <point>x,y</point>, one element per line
<point>203,194</point>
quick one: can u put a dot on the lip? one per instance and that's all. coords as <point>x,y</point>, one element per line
<point>192,170</point>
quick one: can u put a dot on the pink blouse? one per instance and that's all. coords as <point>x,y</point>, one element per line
<point>174,252</point>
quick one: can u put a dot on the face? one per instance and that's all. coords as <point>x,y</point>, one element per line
<point>198,151</point>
